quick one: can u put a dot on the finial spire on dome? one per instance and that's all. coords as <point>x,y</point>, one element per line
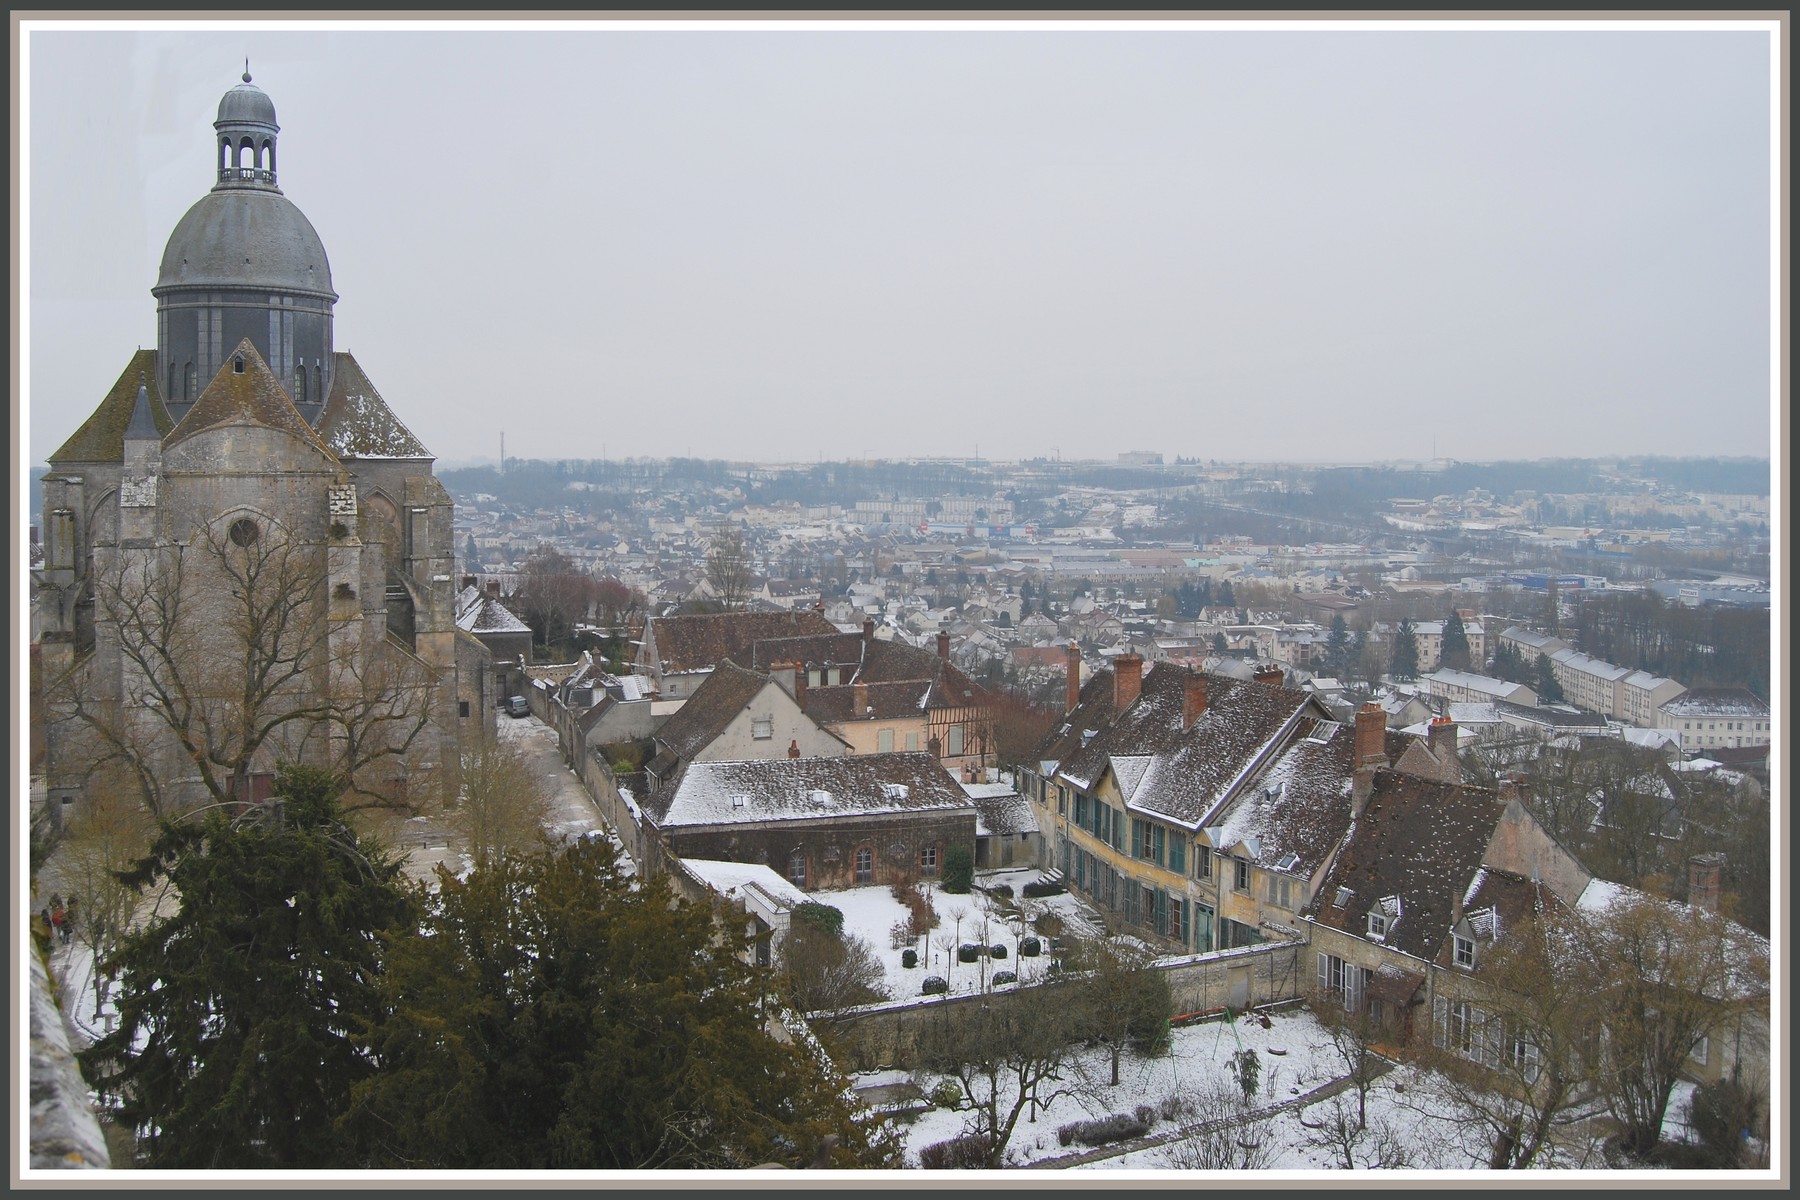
<point>246,69</point>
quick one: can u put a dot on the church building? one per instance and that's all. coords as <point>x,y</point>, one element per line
<point>248,560</point>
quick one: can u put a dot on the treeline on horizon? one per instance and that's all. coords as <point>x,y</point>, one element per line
<point>1352,494</point>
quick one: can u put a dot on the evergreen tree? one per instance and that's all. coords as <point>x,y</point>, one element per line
<point>1455,655</point>
<point>1225,595</point>
<point>1549,691</point>
<point>240,1013</point>
<point>1337,646</point>
<point>1405,661</point>
<point>554,1012</point>
<point>1552,611</point>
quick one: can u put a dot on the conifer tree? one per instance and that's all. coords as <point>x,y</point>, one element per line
<point>237,1044</point>
<point>1549,691</point>
<point>1455,654</point>
<point>1405,661</point>
<point>554,1012</point>
<point>1337,646</point>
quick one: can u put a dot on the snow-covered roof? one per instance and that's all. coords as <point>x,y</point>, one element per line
<point>730,878</point>
<point>808,789</point>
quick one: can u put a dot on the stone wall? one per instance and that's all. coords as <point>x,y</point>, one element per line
<point>882,1035</point>
<point>830,844</point>
<point>64,1131</point>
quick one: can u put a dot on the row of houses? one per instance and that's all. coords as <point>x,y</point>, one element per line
<point>1701,719</point>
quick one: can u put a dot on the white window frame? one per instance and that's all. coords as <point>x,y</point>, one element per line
<point>1378,925</point>
<point>762,728</point>
<point>1462,951</point>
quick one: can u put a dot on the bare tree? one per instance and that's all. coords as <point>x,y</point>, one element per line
<point>1516,1067</point>
<point>827,972</point>
<point>1661,977</point>
<point>1226,1135</point>
<point>728,567</point>
<point>227,662</point>
<point>499,804</point>
<point>1007,1055</point>
<point>1124,1000</point>
<point>109,833</point>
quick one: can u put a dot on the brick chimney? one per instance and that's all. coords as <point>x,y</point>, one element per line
<point>1371,736</point>
<point>1270,676</point>
<point>859,692</point>
<point>1441,737</point>
<point>944,646</point>
<point>800,684</point>
<point>1073,688</point>
<point>868,629</point>
<point>1128,680</point>
<point>493,587</point>
<point>1193,698</point>
<point>793,748</point>
<point>1704,871</point>
<point>1371,752</point>
<point>468,581</point>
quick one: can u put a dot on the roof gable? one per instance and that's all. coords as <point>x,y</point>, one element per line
<point>714,705</point>
<point>697,642</point>
<point>251,396</point>
<point>357,423</point>
<point>101,438</point>
<point>797,789</point>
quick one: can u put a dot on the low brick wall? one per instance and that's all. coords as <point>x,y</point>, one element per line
<point>882,1035</point>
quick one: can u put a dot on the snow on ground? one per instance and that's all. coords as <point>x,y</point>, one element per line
<point>1404,1103</point>
<point>573,813</point>
<point>871,912</point>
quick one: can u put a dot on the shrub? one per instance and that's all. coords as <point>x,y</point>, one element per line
<point>1047,923</point>
<point>1001,977</point>
<point>820,916</point>
<point>900,934</point>
<point>1044,887</point>
<point>1144,1115</point>
<point>969,1152</point>
<point>959,869</point>
<point>934,984</point>
<point>967,952</point>
<point>921,917</point>
<point>1030,948</point>
<point>1719,1114</point>
<point>997,951</point>
<point>909,958</point>
<point>1114,1128</point>
<point>1003,890</point>
<point>945,1094</point>
<point>1152,1004</point>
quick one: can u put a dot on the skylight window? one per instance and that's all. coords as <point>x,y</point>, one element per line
<point>739,800</point>
<point>1342,898</point>
<point>1288,862</point>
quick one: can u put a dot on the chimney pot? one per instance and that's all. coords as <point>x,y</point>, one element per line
<point>868,629</point>
<point>1270,676</point>
<point>1442,735</point>
<point>493,587</point>
<point>943,643</point>
<point>1073,689</point>
<point>794,748</point>
<point>800,684</point>
<point>468,581</point>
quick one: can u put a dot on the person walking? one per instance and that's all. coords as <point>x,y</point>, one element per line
<point>58,923</point>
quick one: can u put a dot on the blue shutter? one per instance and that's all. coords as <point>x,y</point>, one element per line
<point>1157,850</point>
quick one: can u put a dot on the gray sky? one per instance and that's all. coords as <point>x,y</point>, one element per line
<point>785,246</point>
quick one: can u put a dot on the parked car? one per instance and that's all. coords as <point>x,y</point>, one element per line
<point>517,706</point>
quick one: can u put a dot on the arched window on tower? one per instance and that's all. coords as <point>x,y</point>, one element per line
<point>246,159</point>
<point>300,385</point>
<point>224,155</point>
<point>318,381</point>
<point>172,391</point>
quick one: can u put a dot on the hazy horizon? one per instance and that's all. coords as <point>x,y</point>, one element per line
<point>779,246</point>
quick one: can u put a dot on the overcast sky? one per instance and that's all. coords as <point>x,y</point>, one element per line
<point>781,245</point>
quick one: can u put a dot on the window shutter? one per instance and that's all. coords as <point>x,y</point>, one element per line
<point>1324,973</point>
<point>1158,853</point>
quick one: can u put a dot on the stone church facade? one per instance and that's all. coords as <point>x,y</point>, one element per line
<point>247,557</point>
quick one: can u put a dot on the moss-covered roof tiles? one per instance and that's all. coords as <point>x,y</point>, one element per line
<point>252,396</point>
<point>101,437</point>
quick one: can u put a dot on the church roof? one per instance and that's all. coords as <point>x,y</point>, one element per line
<point>251,396</point>
<point>101,437</point>
<point>357,423</point>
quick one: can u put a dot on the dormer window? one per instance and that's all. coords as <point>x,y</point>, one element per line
<point>1464,951</point>
<point>237,365</point>
<point>1378,925</point>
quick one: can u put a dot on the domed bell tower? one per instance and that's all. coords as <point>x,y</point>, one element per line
<point>244,262</point>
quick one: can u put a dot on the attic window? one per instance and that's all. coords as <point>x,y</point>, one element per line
<point>1342,898</point>
<point>1288,862</point>
<point>1378,925</point>
<point>894,791</point>
<point>237,365</point>
<point>739,800</point>
<point>819,796</point>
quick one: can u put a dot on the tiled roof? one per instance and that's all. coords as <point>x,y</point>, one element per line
<point>801,789</point>
<point>1299,805</point>
<point>1000,811</point>
<point>478,612</point>
<point>1191,770</point>
<point>1707,702</point>
<point>1417,839</point>
<point>884,701</point>
<point>252,396</point>
<point>817,649</point>
<point>101,437</point>
<point>357,423</point>
<point>715,704</point>
<point>693,643</point>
